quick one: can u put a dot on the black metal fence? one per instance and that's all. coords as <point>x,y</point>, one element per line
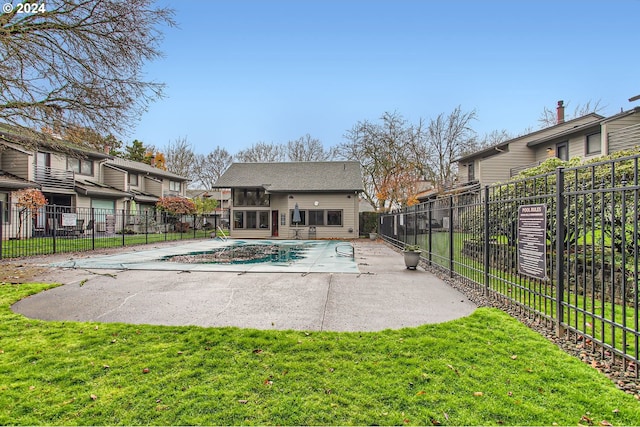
<point>580,276</point>
<point>57,229</point>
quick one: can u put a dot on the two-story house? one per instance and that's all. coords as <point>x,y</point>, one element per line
<point>586,137</point>
<point>74,178</point>
<point>294,199</point>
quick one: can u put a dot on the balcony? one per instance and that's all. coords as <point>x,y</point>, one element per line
<point>54,178</point>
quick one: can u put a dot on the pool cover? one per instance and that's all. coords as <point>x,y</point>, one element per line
<point>319,256</point>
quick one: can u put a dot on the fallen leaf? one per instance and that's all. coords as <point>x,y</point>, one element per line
<point>478,393</point>
<point>257,351</point>
<point>243,401</point>
<point>32,387</point>
<point>145,371</point>
<point>605,423</point>
<point>446,416</point>
<point>435,422</point>
<point>510,394</point>
<point>93,397</point>
<point>514,357</point>
<point>105,366</point>
<point>421,392</point>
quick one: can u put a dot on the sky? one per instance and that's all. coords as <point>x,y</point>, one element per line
<point>238,72</point>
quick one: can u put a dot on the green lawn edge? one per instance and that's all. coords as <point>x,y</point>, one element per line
<point>485,369</point>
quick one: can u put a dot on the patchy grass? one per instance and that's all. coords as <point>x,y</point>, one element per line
<point>486,369</point>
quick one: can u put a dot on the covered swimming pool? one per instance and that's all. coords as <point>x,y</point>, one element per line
<point>294,256</point>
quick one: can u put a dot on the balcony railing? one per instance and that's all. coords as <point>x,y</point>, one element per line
<point>54,178</point>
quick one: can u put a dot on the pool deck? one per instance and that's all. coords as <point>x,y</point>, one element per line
<point>382,295</point>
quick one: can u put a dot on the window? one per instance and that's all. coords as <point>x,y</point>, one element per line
<point>471,174</point>
<point>133,179</point>
<point>303,218</point>
<point>250,197</point>
<point>4,200</point>
<point>250,220</point>
<point>594,143</point>
<point>263,220</point>
<point>174,186</point>
<point>334,218</point>
<point>80,166</point>
<point>562,151</point>
<point>316,217</point>
<point>238,219</point>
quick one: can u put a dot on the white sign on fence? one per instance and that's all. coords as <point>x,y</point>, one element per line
<point>69,219</point>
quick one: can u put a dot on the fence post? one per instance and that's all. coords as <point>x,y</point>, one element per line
<point>451,265</point>
<point>124,221</point>
<point>146,227</point>
<point>194,226</point>
<point>487,236</point>
<point>560,329</point>
<point>55,224</point>
<point>93,229</point>
<point>2,225</point>
<point>430,232</point>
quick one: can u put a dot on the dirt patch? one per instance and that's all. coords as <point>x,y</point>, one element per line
<point>13,272</point>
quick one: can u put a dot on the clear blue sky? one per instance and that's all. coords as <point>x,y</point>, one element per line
<point>239,72</point>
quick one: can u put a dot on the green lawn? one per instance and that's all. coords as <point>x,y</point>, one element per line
<point>45,245</point>
<point>487,369</point>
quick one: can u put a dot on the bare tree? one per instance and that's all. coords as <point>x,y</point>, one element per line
<point>180,158</point>
<point>210,167</point>
<point>448,138</point>
<point>549,117</point>
<point>78,63</point>
<point>384,152</point>
<point>308,149</point>
<point>262,152</point>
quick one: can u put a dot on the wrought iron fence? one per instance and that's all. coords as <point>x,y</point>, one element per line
<point>57,229</point>
<point>583,276</point>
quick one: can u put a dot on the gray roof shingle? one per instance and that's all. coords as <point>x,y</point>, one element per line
<point>294,176</point>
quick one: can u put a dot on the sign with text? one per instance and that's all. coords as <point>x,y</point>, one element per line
<point>532,240</point>
<point>69,219</point>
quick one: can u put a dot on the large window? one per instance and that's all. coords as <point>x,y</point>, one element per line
<point>594,143</point>
<point>80,166</point>
<point>133,179</point>
<point>251,220</point>
<point>174,186</point>
<point>334,218</point>
<point>250,197</point>
<point>318,217</point>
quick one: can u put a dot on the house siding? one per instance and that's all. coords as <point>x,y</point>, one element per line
<point>284,205</point>
<point>152,186</point>
<point>115,178</point>
<point>624,133</point>
<point>16,163</point>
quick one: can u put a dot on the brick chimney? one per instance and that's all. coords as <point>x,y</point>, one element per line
<point>560,110</point>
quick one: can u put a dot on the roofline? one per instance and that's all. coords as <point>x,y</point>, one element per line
<point>478,153</point>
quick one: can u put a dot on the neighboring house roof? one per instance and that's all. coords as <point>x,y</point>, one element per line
<point>208,194</point>
<point>564,127</point>
<point>142,197</point>
<point>294,176</point>
<point>43,142</point>
<point>587,127</point>
<point>13,182</point>
<point>130,165</point>
<point>93,188</point>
